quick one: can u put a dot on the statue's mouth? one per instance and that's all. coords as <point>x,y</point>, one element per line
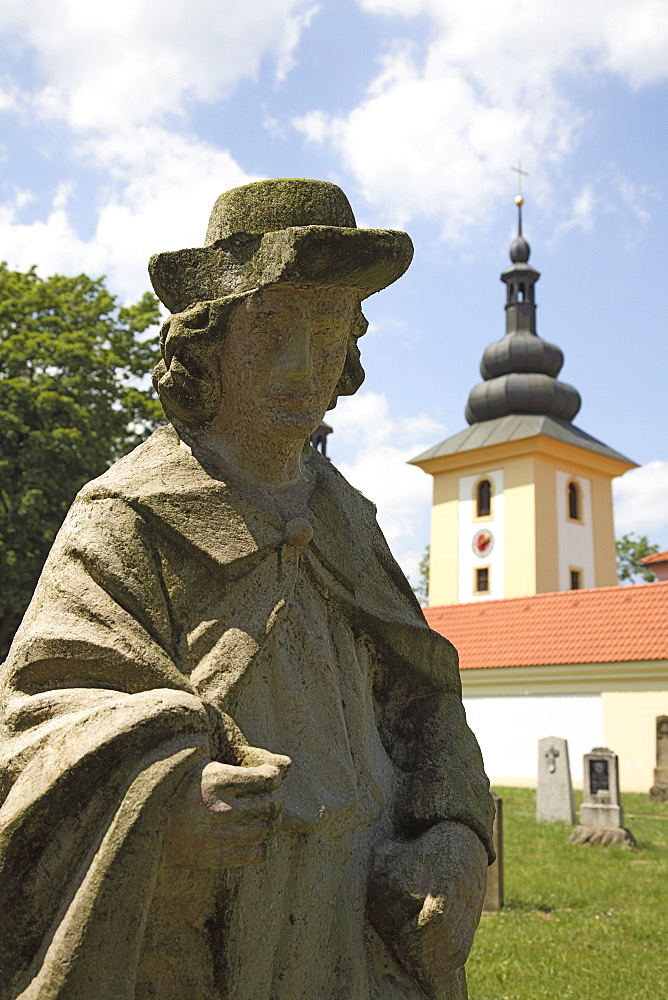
<point>296,395</point>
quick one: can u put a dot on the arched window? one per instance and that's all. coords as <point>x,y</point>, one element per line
<point>484,499</point>
<point>574,501</point>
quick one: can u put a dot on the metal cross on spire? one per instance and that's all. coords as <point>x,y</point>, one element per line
<point>519,200</point>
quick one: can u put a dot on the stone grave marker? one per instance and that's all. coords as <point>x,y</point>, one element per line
<point>601,812</point>
<point>494,895</point>
<point>554,795</point>
<point>659,789</point>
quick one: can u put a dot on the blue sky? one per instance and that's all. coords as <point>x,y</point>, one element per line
<point>122,122</point>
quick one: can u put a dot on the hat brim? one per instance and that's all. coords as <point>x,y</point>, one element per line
<point>364,259</point>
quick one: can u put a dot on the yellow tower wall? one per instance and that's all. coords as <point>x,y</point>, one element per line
<point>604,532</point>
<point>443,558</point>
<point>547,567</point>
<point>539,545</point>
<point>520,526</point>
<point>547,518</point>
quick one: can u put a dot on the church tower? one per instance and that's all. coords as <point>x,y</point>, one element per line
<point>522,499</point>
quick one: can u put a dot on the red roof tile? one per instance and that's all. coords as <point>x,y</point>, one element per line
<point>658,557</point>
<point>601,625</point>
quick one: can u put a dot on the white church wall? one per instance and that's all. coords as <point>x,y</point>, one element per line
<point>575,539</point>
<point>469,525</point>
<point>508,728</point>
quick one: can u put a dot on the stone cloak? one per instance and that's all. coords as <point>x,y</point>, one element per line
<point>162,589</point>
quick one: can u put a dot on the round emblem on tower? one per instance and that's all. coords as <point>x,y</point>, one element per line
<point>483,542</point>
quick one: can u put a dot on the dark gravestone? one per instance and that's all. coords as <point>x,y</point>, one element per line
<point>599,778</point>
<point>601,813</point>
<point>659,789</point>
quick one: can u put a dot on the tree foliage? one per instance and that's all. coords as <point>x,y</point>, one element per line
<point>422,588</point>
<point>70,404</point>
<point>631,548</point>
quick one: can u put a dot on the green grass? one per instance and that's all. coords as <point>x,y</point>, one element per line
<point>580,922</point>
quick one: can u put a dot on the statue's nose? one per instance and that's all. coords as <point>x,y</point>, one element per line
<point>295,360</point>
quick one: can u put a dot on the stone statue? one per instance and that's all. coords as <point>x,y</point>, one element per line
<point>234,759</point>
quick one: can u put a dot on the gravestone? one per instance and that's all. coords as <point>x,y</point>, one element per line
<point>494,895</point>
<point>601,812</point>
<point>554,795</point>
<point>659,789</point>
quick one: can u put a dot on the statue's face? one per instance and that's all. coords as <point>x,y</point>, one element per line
<point>282,357</point>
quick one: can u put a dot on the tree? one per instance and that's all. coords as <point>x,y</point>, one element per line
<point>422,588</point>
<point>631,548</point>
<point>70,404</point>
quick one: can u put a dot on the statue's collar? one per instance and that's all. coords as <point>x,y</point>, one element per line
<point>165,483</point>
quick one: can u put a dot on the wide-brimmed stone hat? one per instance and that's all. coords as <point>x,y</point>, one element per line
<point>287,229</point>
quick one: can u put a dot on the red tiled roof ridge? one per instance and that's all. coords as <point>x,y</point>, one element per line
<point>657,557</point>
<point>595,625</point>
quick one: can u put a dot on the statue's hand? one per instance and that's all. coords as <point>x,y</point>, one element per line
<point>425,899</point>
<point>226,816</point>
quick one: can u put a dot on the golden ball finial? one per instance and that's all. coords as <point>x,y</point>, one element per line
<point>519,200</point>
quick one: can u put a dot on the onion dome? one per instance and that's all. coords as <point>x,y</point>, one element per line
<point>520,371</point>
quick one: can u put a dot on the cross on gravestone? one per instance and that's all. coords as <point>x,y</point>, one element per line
<point>554,792</point>
<point>601,813</point>
<point>551,756</point>
<point>659,789</point>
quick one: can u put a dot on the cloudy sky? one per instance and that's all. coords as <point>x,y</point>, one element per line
<point>122,122</point>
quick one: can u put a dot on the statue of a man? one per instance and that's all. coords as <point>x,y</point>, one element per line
<point>234,762</point>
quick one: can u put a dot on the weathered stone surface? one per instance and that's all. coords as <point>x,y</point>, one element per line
<point>494,894</point>
<point>659,789</point>
<point>554,793</point>
<point>234,761</point>
<point>601,813</point>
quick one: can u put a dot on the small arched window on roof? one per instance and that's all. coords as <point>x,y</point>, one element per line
<point>574,502</point>
<point>484,499</point>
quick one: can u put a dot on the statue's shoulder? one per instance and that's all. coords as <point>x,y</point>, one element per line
<point>335,484</point>
<point>364,554</point>
<point>143,472</point>
<point>339,505</point>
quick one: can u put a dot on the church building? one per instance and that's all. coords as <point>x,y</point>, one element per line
<point>522,565</point>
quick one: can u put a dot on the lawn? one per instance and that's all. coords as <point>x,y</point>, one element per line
<point>587,923</point>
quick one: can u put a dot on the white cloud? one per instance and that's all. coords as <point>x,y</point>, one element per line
<point>610,192</point>
<point>292,30</point>
<point>641,502</point>
<point>375,446</point>
<point>151,204</point>
<point>9,95</point>
<point>121,77</point>
<point>108,65</point>
<point>581,214</point>
<point>440,125</point>
<point>635,197</point>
